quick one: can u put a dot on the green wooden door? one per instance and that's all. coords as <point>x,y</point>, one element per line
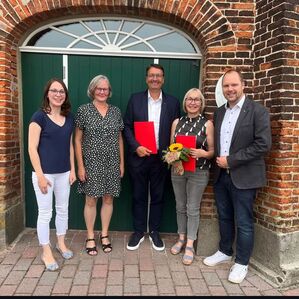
<point>126,75</point>
<point>37,69</point>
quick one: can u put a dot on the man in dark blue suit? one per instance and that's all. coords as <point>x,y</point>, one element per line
<point>147,171</point>
<point>242,139</point>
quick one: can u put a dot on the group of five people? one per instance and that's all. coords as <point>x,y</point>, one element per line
<point>240,140</point>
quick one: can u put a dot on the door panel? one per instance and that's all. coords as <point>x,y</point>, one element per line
<point>126,75</point>
<point>37,69</point>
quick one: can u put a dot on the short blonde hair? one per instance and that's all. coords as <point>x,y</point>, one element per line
<point>93,85</point>
<point>200,95</point>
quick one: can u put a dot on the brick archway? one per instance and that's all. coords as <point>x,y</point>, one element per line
<point>204,22</point>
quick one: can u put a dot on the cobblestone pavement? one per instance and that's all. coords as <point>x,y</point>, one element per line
<point>121,272</point>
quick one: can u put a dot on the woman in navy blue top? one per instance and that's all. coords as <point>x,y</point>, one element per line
<point>51,153</point>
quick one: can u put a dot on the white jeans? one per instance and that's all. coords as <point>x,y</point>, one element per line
<point>61,188</point>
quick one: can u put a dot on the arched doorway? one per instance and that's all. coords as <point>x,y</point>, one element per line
<point>80,49</point>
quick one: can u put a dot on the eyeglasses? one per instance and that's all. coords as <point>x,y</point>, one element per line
<point>104,90</point>
<point>55,91</point>
<point>155,76</point>
<point>195,100</point>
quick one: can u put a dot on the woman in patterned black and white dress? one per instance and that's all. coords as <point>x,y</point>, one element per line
<point>100,157</point>
<point>189,187</point>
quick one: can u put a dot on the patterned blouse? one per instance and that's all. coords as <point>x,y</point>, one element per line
<point>197,127</point>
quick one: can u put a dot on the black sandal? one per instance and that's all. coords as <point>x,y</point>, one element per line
<point>90,249</point>
<point>105,246</point>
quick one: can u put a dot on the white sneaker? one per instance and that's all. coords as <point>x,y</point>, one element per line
<point>237,273</point>
<point>216,259</point>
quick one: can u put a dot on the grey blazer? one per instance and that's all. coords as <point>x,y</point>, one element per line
<point>251,140</point>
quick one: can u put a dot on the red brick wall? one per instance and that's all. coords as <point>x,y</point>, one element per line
<point>276,84</point>
<point>225,32</point>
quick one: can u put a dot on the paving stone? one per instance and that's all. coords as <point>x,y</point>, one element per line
<point>146,264</point>
<point>42,291</point>
<point>165,286</point>
<point>232,288</point>
<point>193,271</point>
<point>97,285</point>
<point>62,286</point>
<point>86,265</point>
<point>176,265</point>
<point>68,271</point>
<point>180,278</point>
<point>35,271</point>
<point>183,291</point>
<point>272,292</point>
<point>27,286</point>
<point>147,277</point>
<point>211,278</point>
<point>79,291</point>
<point>199,286</point>
<point>251,291</point>
<point>11,258</point>
<point>82,278</point>
<point>23,264</point>
<point>162,271</point>
<point>114,290</point>
<point>48,278</point>
<point>30,252</point>
<point>14,277</point>
<point>132,285</point>
<point>149,290</point>
<point>115,278</point>
<point>116,265</point>
<point>217,291</point>
<point>259,283</point>
<point>101,259</point>
<point>5,270</point>
<point>7,290</point>
<point>131,271</point>
<point>291,292</point>
<point>99,271</point>
<point>131,257</point>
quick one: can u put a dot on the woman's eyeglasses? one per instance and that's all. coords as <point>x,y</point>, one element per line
<point>195,100</point>
<point>55,91</point>
<point>104,90</point>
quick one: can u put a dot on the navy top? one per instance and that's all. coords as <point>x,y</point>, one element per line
<point>197,127</point>
<point>54,143</point>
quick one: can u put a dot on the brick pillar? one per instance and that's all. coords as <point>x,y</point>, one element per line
<point>276,84</point>
<point>11,205</point>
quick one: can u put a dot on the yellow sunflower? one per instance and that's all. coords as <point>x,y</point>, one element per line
<point>175,147</point>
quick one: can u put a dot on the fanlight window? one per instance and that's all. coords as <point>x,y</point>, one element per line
<point>112,36</point>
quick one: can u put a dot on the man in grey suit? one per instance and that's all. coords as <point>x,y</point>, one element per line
<point>242,138</point>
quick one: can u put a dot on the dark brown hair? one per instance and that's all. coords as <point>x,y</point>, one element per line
<point>66,106</point>
<point>155,65</point>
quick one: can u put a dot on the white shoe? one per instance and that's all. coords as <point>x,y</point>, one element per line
<point>237,273</point>
<point>216,259</point>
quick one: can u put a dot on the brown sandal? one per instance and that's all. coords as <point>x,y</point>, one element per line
<point>90,249</point>
<point>105,246</point>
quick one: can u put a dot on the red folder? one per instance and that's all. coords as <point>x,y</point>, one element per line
<point>188,142</point>
<point>145,134</point>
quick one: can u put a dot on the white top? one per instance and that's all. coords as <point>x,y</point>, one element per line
<point>228,126</point>
<point>154,111</point>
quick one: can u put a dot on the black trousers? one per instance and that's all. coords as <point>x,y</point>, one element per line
<point>150,176</point>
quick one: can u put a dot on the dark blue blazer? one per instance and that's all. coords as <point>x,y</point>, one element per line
<point>250,142</point>
<point>137,110</point>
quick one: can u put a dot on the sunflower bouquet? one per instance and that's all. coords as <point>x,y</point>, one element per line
<point>175,155</point>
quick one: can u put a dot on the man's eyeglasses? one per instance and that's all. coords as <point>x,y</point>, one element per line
<point>55,91</point>
<point>155,76</point>
<point>104,90</point>
<point>195,100</point>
